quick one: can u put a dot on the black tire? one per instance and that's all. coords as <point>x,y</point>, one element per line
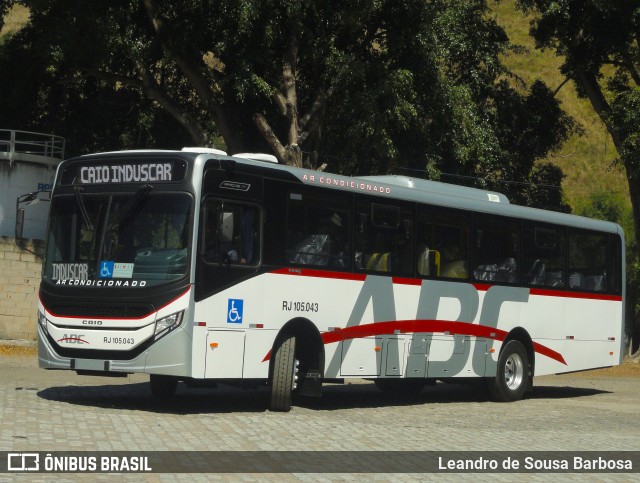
<point>283,377</point>
<point>163,387</point>
<point>410,386</point>
<point>512,377</point>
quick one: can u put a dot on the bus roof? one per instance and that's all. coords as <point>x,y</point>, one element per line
<point>435,193</point>
<point>395,187</point>
<point>429,186</point>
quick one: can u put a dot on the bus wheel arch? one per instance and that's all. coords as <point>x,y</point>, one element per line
<point>514,374</point>
<point>302,337</point>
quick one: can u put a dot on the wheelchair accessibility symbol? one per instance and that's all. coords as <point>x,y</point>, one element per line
<point>106,269</point>
<point>234,311</point>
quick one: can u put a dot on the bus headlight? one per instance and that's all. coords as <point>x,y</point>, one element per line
<point>42,320</point>
<point>168,323</point>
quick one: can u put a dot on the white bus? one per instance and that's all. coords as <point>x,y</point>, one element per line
<point>200,267</point>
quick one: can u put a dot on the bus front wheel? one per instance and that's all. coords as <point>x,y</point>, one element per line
<point>284,375</point>
<point>512,374</point>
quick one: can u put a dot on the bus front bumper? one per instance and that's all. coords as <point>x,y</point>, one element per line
<point>170,355</point>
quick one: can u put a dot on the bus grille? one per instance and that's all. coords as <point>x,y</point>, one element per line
<point>115,311</point>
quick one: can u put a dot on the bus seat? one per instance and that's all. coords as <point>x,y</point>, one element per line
<point>594,282</point>
<point>313,250</point>
<point>429,263</point>
<point>554,279</point>
<point>576,280</point>
<point>507,271</point>
<point>379,262</point>
<point>537,273</point>
<point>486,273</point>
<point>455,269</point>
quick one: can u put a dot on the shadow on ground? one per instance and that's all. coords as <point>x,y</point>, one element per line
<point>224,399</point>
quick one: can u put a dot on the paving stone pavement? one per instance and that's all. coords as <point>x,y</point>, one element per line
<point>60,411</point>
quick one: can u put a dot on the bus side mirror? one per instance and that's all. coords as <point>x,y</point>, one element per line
<point>22,201</point>
<point>19,225</point>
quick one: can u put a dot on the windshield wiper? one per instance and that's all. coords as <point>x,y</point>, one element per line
<point>131,208</point>
<point>83,209</point>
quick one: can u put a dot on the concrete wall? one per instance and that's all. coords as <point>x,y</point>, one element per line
<point>19,179</point>
<point>19,281</point>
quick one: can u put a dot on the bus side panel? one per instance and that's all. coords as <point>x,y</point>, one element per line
<point>361,357</point>
<point>333,302</point>
<point>582,331</point>
<point>456,356</point>
<point>579,355</point>
<point>198,351</point>
<point>237,309</point>
<point>327,301</point>
<point>258,344</point>
<point>225,351</point>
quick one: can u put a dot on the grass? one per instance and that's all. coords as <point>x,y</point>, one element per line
<point>17,17</point>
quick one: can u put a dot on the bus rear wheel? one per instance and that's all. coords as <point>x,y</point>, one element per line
<point>512,375</point>
<point>163,387</point>
<point>283,378</point>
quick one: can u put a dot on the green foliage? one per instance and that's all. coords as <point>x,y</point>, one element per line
<point>453,113</point>
<point>44,89</point>
<point>625,115</point>
<point>608,207</point>
<point>408,87</point>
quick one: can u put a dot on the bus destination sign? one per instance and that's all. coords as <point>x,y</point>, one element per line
<point>125,172</point>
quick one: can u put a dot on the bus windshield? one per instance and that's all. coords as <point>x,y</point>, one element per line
<point>119,239</point>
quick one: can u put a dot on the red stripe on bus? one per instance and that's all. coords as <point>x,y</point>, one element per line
<point>576,295</point>
<point>306,272</point>
<point>426,326</point>
<point>481,287</point>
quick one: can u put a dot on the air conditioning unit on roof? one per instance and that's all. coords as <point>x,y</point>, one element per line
<point>270,158</point>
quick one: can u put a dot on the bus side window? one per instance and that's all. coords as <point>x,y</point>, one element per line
<point>384,238</point>
<point>318,226</point>
<point>588,258</point>
<point>544,256</point>
<point>615,262</point>
<point>443,244</point>
<point>496,250</point>
<point>231,233</point>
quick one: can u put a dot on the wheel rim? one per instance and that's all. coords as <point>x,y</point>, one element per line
<point>513,372</point>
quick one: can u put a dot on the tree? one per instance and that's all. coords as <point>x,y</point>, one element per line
<point>598,40</point>
<point>369,86</point>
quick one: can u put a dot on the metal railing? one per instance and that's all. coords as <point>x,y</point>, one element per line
<point>30,146</point>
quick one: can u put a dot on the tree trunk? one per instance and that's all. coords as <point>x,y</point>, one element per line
<point>634,192</point>
<point>594,93</point>
<point>198,81</point>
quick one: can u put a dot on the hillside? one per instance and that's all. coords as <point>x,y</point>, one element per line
<point>15,19</point>
<point>586,160</point>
